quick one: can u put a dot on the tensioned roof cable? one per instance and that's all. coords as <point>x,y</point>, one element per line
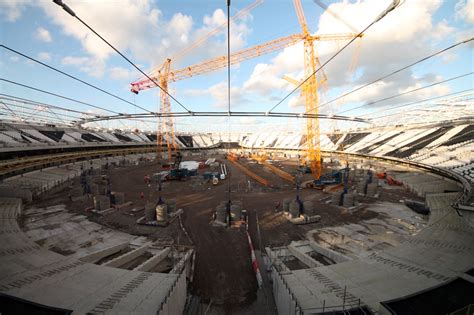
<point>399,70</point>
<point>72,77</point>
<point>413,103</point>
<point>407,92</point>
<point>58,95</point>
<point>73,14</point>
<point>31,102</point>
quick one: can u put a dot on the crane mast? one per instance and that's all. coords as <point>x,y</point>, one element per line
<point>310,93</point>
<point>165,130</point>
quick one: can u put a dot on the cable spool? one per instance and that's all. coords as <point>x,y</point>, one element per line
<point>161,212</point>
<point>235,212</point>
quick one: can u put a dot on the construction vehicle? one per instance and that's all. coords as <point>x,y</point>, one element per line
<point>304,169</point>
<point>178,174</point>
<point>210,175</point>
<point>161,176</point>
<point>393,182</point>
<point>333,178</point>
<point>177,160</point>
<point>388,179</point>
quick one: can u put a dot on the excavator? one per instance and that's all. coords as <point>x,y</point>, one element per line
<point>175,172</point>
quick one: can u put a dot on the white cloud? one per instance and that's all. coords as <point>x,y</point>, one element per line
<point>119,73</point>
<point>436,90</point>
<point>247,120</point>
<point>442,30</point>
<point>219,93</point>
<point>130,25</point>
<point>462,35</point>
<point>296,101</point>
<point>180,26</point>
<point>403,36</point>
<point>465,10</point>
<point>92,66</point>
<point>43,35</point>
<point>264,79</point>
<point>14,58</point>
<point>139,28</point>
<point>238,30</point>
<point>11,10</point>
<point>44,56</point>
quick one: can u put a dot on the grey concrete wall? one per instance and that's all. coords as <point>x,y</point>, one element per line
<point>337,257</point>
<point>179,267</point>
<point>119,261</point>
<point>282,295</point>
<point>468,216</point>
<point>176,300</point>
<point>15,192</point>
<point>92,258</point>
<point>153,261</point>
<point>305,258</point>
<point>275,260</point>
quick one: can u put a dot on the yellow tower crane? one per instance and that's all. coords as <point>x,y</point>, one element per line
<point>164,75</point>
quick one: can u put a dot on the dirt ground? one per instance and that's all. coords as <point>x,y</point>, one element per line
<point>223,271</point>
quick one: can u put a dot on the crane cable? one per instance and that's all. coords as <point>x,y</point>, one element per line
<point>58,95</point>
<point>71,76</point>
<point>394,4</point>
<point>73,14</point>
<point>228,106</point>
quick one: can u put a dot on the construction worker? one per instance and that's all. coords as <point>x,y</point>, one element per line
<point>229,218</point>
<point>300,204</point>
<point>277,207</point>
<point>159,185</point>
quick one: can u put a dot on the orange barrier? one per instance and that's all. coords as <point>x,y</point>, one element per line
<point>248,172</point>
<point>274,169</point>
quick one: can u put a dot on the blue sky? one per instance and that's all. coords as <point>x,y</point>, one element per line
<point>149,31</point>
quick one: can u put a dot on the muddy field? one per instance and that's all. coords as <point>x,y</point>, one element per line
<point>223,271</point>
